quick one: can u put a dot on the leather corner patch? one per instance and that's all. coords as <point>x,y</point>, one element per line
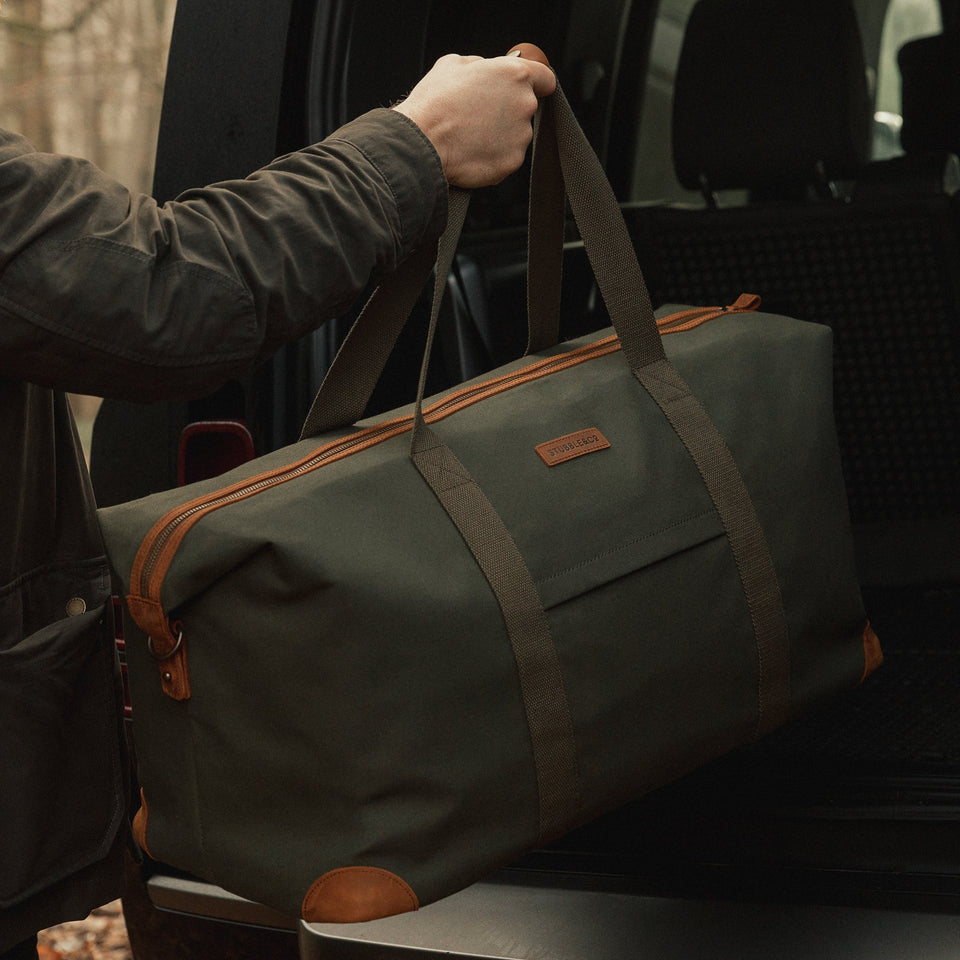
<point>139,825</point>
<point>872,653</point>
<point>357,894</point>
<point>571,446</point>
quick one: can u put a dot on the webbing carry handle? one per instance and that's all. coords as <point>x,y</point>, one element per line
<point>615,267</point>
<point>356,369</point>
<point>620,280</point>
<point>622,286</point>
<point>349,383</point>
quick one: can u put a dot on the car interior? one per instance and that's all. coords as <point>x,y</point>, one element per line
<point>745,142</point>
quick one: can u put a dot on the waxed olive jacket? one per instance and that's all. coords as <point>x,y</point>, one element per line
<point>106,293</point>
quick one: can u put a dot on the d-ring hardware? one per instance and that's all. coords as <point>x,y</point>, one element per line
<point>165,656</point>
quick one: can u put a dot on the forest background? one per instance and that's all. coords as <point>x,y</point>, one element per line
<point>85,78</point>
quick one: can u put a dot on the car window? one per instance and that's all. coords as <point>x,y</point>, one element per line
<point>654,178</point>
<point>905,20</point>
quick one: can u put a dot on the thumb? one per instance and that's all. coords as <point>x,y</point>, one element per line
<point>543,79</point>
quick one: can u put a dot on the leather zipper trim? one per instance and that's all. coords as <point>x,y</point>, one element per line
<point>161,543</point>
<point>689,319</point>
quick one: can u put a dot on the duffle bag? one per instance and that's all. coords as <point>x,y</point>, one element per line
<point>398,654</point>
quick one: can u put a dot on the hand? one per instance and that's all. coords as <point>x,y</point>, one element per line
<point>477,114</point>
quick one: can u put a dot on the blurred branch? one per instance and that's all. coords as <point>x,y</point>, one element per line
<point>28,30</point>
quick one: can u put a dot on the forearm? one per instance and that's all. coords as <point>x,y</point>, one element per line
<point>104,292</point>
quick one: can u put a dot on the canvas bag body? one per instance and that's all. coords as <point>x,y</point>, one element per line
<point>356,736</point>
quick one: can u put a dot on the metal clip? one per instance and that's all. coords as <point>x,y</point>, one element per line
<point>165,656</point>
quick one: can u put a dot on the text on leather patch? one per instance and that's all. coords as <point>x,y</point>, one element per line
<point>573,445</point>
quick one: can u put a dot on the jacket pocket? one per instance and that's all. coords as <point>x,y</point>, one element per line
<point>61,772</point>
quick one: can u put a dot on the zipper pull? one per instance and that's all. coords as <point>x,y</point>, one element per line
<point>745,303</point>
<point>690,319</point>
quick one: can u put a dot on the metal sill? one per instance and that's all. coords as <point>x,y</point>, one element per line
<point>199,899</point>
<point>499,921</point>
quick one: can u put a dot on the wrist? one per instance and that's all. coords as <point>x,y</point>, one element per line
<point>431,129</point>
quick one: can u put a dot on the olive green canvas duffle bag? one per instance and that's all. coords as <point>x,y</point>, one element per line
<point>381,662</point>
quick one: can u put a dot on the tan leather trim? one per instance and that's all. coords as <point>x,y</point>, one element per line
<point>152,620</point>
<point>676,321</point>
<point>175,674</point>
<point>139,825</point>
<point>199,506</point>
<point>357,894</point>
<point>145,606</point>
<point>166,645</point>
<point>872,654</point>
<point>688,319</point>
<point>151,564</point>
<point>460,399</point>
<point>148,612</point>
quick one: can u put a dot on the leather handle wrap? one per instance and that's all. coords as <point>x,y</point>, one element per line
<point>529,51</point>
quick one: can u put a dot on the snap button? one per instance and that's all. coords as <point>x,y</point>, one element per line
<point>76,606</point>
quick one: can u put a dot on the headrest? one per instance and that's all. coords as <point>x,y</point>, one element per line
<point>930,94</point>
<point>766,92</point>
<point>927,172</point>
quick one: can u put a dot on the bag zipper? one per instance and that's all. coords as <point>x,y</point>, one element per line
<point>160,545</point>
<point>688,319</point>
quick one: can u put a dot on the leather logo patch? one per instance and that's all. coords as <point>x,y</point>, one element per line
<point>571,446</point>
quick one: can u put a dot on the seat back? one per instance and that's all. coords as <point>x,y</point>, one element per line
<point>741,119</point>
<point>930,94</point>
<point>882,273</point>
<point>930,134</point>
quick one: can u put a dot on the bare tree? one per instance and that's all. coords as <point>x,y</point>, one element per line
<point>85,77</point>
<point>25,99</point>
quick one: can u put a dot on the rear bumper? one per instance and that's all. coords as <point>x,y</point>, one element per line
<point>508,921</point>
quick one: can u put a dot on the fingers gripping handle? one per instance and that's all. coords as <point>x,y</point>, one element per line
<point>349,384</point>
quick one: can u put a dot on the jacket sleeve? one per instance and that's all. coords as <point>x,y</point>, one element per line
<point>107,293</point>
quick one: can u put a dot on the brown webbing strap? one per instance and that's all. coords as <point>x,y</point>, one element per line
<point>356,369</point>
<point>541,681</point>
<point>349,384</point>
<point>607,242</point>
<point>538,668</point>
<point>353,375</point>
<point>621,283</point>
<point>545,223</point>
<point>748,544</point>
